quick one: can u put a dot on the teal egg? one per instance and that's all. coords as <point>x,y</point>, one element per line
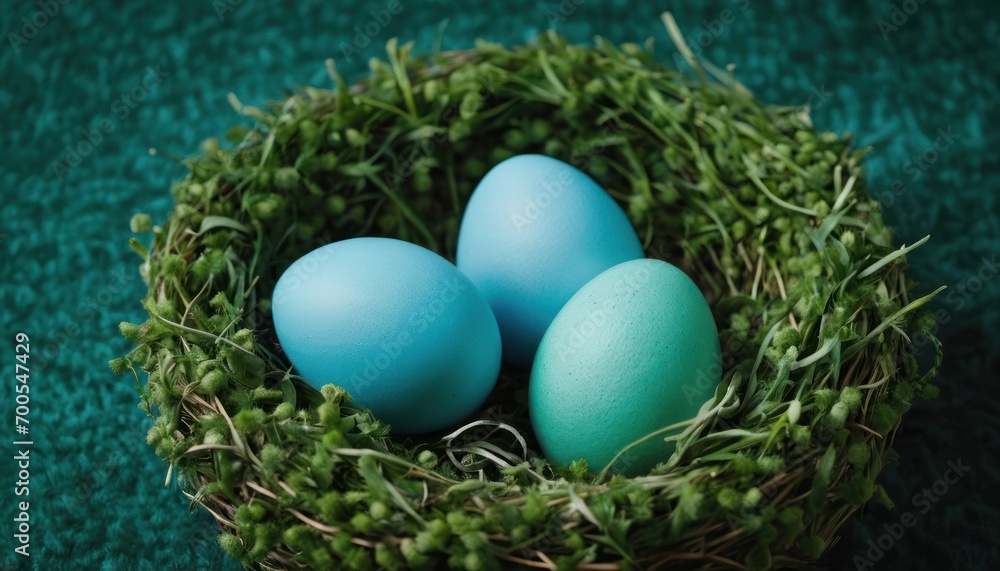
<point>634,351</point>
<point>535,230</point>
<point>395,324</point>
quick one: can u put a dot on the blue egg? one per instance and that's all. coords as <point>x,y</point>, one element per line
<point>534,232</point>
<point>396,325</point>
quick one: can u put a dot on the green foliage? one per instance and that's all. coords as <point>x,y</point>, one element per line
<point>769,216</point>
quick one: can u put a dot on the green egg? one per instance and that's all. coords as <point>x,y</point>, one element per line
<point>635,350</point>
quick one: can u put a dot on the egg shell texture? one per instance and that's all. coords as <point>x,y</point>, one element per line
<point>634,351</point>
<point>534,232</point>
<point>396,325</point>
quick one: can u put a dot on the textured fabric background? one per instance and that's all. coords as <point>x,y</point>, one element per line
<point>67,276</point>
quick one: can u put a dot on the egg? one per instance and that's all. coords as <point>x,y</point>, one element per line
<point>634,351</point>
<point>534,232</point>
<point>395,324</point>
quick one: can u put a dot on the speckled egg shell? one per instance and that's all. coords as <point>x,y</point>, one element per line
<point>634,351</point>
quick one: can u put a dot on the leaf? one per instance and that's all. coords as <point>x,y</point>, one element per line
<point>397,58</point>
<point>828,346</point>
<point>902,251</point>
<point>312,187</point>
<point>812,546</point>
<point>139,248</point>
<point>821,481</point>
<point>844,256</point>
<point>791,519</point>
<point>759,558</point>
<point>382,105</point>
<point>425,132</point>
<point>288,390</point>
<point>369,469</point>
<point>890,321</point>
<point>236,133</point>
<point>213,222</point>
<point>543,60</point>
<point>859,154</point>
<point>760,357</point>
<point>856,492</point>
<point>248,369</point>
<point>686,510</point>
<point>835,362</point>
<point>364,169</point>
<point>883,497</point>
<point>581,506</point>
<point>767,192</point>
<point>613,523</point>
<point>734,303</point>
<point>268,145</point>
<point>470,485</point>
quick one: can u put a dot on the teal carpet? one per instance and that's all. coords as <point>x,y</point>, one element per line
<point>158,75</point>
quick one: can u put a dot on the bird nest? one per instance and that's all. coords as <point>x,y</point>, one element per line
<point>768,216</point>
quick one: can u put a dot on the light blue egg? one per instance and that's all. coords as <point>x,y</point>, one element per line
<point>534,232</point>
<point>396,325</point>
<point>636,350</point>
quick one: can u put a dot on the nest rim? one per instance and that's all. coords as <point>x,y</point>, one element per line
<point>261,515</point>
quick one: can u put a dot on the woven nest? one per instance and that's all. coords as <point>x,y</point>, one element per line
<point>768,216</point>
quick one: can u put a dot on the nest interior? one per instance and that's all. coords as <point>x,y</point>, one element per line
<point>767,215</point>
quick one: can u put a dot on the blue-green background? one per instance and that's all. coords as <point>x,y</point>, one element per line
<point>67,276</point>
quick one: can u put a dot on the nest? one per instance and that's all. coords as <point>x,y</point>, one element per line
<point>770,218</point>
